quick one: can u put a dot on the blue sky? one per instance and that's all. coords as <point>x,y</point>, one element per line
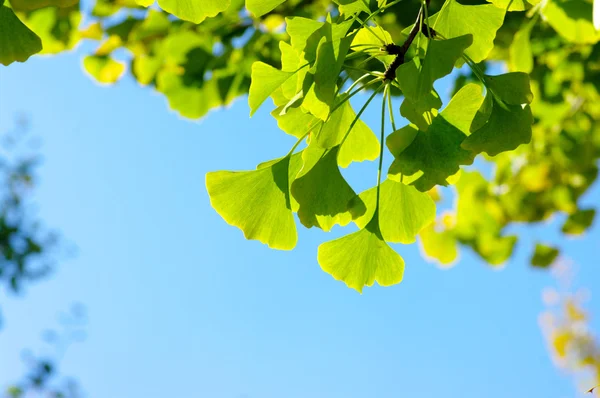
<point>180,305</point>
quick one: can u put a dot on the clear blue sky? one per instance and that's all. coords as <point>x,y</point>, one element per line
<point>180,305</point>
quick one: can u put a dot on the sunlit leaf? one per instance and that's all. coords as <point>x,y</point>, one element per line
<point>261,7</point>
<point>257,202</point>
<point>521,58</point>
<point>194,10</point>
<point>321,191</point>
<point>362,258</point>
<point>481,21</point>
<point>434,155</point>
<point>403,211</point>
<point>439,246</point>
<point>265,80</point>
<point>103,68</point>
<point>572,19</point>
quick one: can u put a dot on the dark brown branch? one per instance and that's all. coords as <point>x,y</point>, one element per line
<point>400,51</point>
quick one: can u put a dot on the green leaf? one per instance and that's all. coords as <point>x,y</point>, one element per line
<point>512,88</point>
<point>17,42</point>
<point>507,127</point>
<point>579,222</point>
<point>30,5</point>
<point>193,10</point>
<point>103,68</point>
<point>265,80</point>
<point>259,8</point>
<point>439,246</point>
<point>362,258</point>
<point>190,101</point>
<point>417,82</point>
<point>349,7</point>
<point>361,143</point>
<point>434,155</point>
<point>325,49</point>
<point>496,250</point>
<point>403,211</point>
<point>544,255</point>
<point>481,21</point>
<point>258,202</point>
<point>521,58</point>
<point>510,5</point>
<point>321,191</point>
<point>503,123</point>
<point>572,19</point>
<point>294,121</point>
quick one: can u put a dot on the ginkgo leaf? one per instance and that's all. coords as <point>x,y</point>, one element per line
<point>544,255</point>
<point>265,80</point>
<point>103,68</point>
<point>294,121</point>
<point>348,7</point>
<point>257,202</point>
<point>513,88</point>
<point>403,210</point>
<point>321,191</point>
<point>481,21</point>
<point>572,19</point>
<point>17,41</point>
<point>434,155</point>
<point>194,10</point>
<point>189,100</point>
<point>439,246</point>
<point>495,249</point>
<point>366,41</point>
<point>417,82</point>
<point>325,50</point>
<point>144,3</point>
<point>29,5</point>
<point>507,127</point>
<point>521,58</point>
<point>510,5</point>
<point>502,123</point>
<point>259,8</point>
<point>362,258</point>
<point>578,222</point>
<point>328,64</point>
<point>361,143</point>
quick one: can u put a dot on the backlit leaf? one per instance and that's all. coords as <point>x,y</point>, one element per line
<point>193,10</point>
<point>257,202</point>
<point>103,68</point>
<point>260,7</point>
<point>403,211</point>
<point>321,191</point>
<point>265,80</point>
<point>362,258</point>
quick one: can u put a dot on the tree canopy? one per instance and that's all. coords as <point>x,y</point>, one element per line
<point>535,126</point>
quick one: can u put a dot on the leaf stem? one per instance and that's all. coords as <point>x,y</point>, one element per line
<point>361,111</point>
<point>381,140</point>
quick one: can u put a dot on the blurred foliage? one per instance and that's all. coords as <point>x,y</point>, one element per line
<point>566,325</point>
<point>26,248</point>
<point>201,58</point>
<point>43,378</point>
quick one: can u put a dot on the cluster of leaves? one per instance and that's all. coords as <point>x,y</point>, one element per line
<point>312,56</point>
<point>25,247</point>
<point>565,324</point>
